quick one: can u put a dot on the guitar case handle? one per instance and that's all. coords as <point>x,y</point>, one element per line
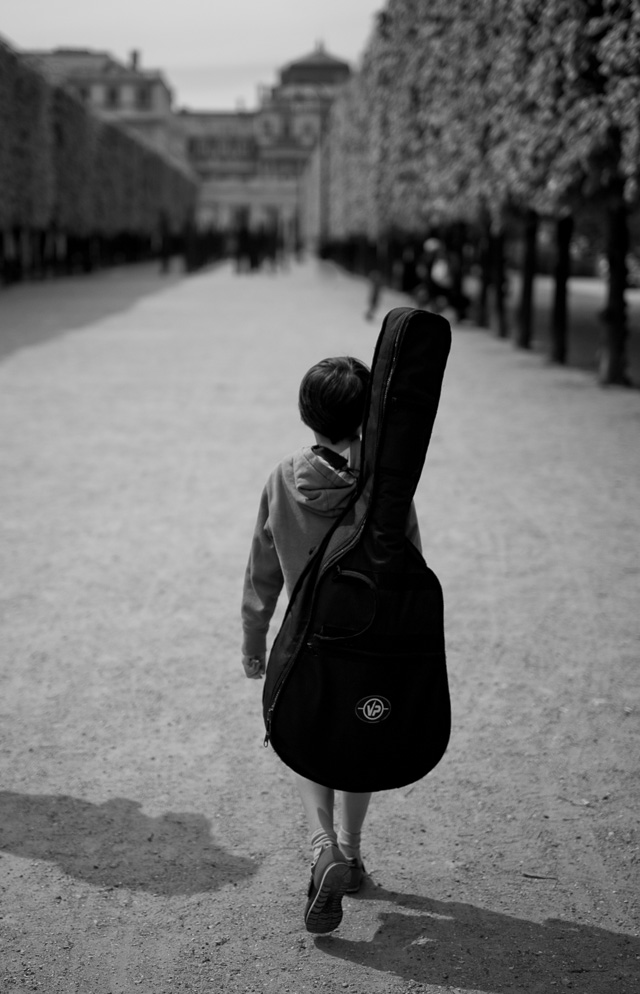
<point>352,577</point>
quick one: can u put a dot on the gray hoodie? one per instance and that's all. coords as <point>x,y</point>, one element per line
<point>302,497</point>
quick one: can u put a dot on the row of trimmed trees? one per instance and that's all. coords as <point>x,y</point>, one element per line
<point>476,118</point>
<point>75,190</point>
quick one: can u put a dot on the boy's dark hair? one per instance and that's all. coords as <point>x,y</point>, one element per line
<point>332,396</point>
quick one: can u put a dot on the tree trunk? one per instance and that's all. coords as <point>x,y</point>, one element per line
<point>529,268</point>
<point>456,261</point>
<point>564,233</point>
<point>482,302</point>
<point>362,263</point>
<point>39,254</point>
<point>382,257</point>
<point>613,354</point>
<point>498,286</point>
<point>12,255</point>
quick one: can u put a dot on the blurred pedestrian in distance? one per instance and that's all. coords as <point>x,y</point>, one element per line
<point>375,293</point>
<point>436,289</point>
<point>441,278</point>
<point>242,247</point>
<point>165,243</point>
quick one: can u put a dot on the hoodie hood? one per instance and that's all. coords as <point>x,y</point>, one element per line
<point>318,485</point>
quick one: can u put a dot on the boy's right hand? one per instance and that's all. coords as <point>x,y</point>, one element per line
<point>254,666</point>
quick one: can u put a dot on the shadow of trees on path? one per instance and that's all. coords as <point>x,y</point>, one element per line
<point>33,313</point>
<point>115,845</point>
<point>469,948</point>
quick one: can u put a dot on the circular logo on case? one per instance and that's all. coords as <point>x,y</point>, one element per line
<point>373,709</point>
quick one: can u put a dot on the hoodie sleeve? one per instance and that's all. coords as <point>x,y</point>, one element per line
<point>263,582</point>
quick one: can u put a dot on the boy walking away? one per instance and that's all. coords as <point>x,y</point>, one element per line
<point>301,499</point>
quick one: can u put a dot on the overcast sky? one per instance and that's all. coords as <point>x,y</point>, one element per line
<point>213,52</point>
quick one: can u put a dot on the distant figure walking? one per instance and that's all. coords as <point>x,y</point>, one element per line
<point>375,293</point>
<point>242,249</point>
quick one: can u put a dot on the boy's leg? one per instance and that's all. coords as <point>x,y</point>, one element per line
<point>317,802</point>
<point>354,810</point>
<point>330,871</point>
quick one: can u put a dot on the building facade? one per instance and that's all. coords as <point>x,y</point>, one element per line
<point>136,98</point>
<point>251,163</point>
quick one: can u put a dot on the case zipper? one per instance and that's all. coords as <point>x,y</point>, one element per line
<point>283,676</point>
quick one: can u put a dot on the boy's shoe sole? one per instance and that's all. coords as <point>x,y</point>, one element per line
<point>329,881</point>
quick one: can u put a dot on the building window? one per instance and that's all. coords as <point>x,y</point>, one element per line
<point>143,97</point>
<point>113,97</point>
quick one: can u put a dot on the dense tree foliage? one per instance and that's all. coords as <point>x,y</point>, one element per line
<point>62,168</point>
<point>479,112</point>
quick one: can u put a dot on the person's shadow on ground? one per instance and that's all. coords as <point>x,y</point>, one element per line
<point>115,845</point>
<point>469,948</point>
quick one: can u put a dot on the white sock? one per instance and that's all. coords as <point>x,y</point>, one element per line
<point>320,839</point>
<point>349,843</point>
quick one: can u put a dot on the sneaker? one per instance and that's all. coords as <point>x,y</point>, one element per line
<point>330,877</point>
<point>356,875</point>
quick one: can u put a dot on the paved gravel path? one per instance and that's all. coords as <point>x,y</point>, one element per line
<point>147,840</point>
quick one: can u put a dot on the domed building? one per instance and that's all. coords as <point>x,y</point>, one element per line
<point>251,162</point>
<point>317,70</point>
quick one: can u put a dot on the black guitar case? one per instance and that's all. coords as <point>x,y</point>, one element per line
<point>356,694</point>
